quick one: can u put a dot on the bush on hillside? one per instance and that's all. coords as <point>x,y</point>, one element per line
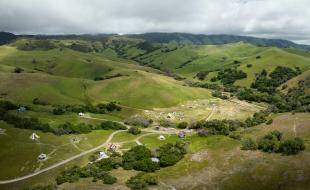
<point>134,130</point>
<point>18,70</point>
<point>182,125</point>
<point>139,158</point>
<point>292,146</point>
<point>248,144</point>
<point>142,181</point>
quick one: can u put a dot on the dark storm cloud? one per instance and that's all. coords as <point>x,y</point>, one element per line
<point>288,19</point>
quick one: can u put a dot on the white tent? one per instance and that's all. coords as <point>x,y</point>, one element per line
<point>34,136</point>
<point>42,156</point>
<point>81,114</point>
<point>162,137</point>
<point>102,155</point>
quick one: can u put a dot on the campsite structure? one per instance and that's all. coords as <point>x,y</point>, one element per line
<point>162,137</point>
<point>181,134</point>
<point>102,155</point>
<point>22,109</point>
<point>42,156</point>
<point>34,136</point>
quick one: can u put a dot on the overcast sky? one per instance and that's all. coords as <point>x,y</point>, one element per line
<point>286,19</point>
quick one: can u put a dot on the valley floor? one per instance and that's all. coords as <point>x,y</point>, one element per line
<point>214,162</point>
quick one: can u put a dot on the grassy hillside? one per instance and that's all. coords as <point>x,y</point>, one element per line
<point>294,82</point>
<point>189,60</point>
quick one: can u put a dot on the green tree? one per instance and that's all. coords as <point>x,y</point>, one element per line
<point>249,144</point>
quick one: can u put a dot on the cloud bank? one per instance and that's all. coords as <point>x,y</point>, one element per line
<point>286,19</point>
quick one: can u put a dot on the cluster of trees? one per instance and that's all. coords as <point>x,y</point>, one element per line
<point>226,127</point>
<point>295,100</point>
<point>277,77</point>
<point>36,44</point>
<point>216,127</point>
<point>169,154</point>
<point>99,170</point>
<point>272,143</point>
<point>264,89</point>
<point>139,158</point>
<point>99,108</point>
<point>62,129</point>
<point>106,125</point>
<point>147,46</point>
<point>230,75</point>
<point>142,181</point>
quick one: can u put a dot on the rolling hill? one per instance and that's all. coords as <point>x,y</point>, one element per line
<point>152,78</point>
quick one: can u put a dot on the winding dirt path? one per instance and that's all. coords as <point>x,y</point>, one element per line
<point>64,161</point>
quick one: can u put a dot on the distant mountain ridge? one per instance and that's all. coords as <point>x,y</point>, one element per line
<point>180,38</point>
<point>201,39</point>
<point>6,37</point>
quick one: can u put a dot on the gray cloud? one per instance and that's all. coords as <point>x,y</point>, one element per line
<point>288,19</point>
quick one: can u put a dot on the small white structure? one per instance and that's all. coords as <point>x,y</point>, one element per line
<point>154,159</point>
<point>102,155</point>
<point>169,116</point>
<point>162,137</point>
<point>81,114</point>
<point>34,136</point>
<point>42,156</point>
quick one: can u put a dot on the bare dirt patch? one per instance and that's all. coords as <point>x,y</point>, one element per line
<point>200,156</point>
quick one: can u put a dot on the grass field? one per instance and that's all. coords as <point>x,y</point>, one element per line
<point>19,154</point>
<point>64,76</point>
<point>217,162</point>
<point>192,111</point>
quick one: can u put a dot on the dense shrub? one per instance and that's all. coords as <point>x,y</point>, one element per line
<point>139,158</point>
<point>277,77</point>
<point>229,76</point>
<point>201,75</point>
<point>292,146</point>
<point>106,125</point>
<point>108,179</point>
<point>98,170</point>
<point>99,108</point>
<point>59,111</point>
<point>170,154</point>
<point>134,130</point>
<point>182,125</point>
<point>249,144</point>
<point>18,70</point>
<point>218,127</point>
<point>142,181</point>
